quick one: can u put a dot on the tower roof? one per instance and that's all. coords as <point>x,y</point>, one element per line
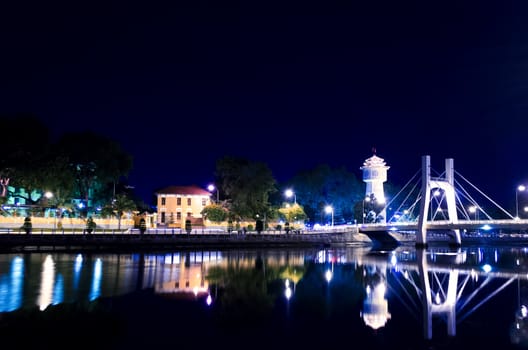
<point>374,161</point>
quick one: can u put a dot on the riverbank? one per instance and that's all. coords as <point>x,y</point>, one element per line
<point>74,242</point>
<point>133,241</point>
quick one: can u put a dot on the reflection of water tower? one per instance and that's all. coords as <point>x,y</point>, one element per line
<point>374,175</point>
<point>375,312</point>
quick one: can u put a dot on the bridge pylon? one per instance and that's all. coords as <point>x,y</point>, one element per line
<point>429,184</point>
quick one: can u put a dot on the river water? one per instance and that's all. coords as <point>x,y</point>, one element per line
<point>353,297</point>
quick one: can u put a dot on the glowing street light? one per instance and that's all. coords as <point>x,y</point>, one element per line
<point>211,188</point>
<point>289,193</point>
<point>366,199</point>
<point>474,210</point>
<point>520,188</point>
<point>48,196</point>
<point>330,210</point>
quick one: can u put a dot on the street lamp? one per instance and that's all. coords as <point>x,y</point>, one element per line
<point>366,199</point>
<point>330,210</point>
<point>520,188</point>
<point>48,196</point>
<point>289,193</point>
<point>474,210</point>
<point>211,188</point>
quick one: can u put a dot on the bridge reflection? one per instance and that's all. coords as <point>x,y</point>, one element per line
<point>437,283</point>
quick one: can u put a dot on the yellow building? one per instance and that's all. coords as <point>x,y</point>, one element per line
<point>178,203</point>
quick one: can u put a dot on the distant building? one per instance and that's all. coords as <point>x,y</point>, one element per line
<point>177,203</point>
<point>374,175</point>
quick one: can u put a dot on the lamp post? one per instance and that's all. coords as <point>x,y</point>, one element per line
<point>366,199</point>
<point>330,210</point>
<point>211,188</point>
<point>519,188</point>
<point>48,196</point>
<point>289,193</point>
<point>474,210</point>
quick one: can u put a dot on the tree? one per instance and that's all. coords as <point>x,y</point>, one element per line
<point>90,225</point>
<point>96,161</point>
<point>215,213</point>
<point>119,207</point>
<point>27,226</point>
<point>25,153</point>
<point>324,185</point>
<point>247,185</point>
<point>142,226</point>
<point>293,213</point>
<point>259,226</point>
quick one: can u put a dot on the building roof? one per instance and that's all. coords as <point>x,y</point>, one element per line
<point>374,161</point>
<point>184,190</point>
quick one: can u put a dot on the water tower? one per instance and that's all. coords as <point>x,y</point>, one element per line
<point>374,175</point>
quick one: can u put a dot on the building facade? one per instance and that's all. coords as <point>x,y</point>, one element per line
<point>175,204</point>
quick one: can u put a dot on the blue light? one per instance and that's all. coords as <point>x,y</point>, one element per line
<point>58,290</point>
<point>486,267</point>
<point>11,286</point>
<point>95,291</point>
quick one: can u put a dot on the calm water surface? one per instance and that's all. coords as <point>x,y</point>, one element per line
<point>435,298</point>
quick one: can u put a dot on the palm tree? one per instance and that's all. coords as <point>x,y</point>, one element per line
<point>120,205</point>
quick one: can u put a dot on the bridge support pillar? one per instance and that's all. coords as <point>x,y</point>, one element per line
<point>421,234</point>
<point>448,186</point>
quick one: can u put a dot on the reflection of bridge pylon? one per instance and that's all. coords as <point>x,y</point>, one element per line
<point>443,304</point>
<point>447,185</point>
<point>443,297</point>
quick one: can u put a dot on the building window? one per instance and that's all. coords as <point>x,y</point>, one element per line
<point>189,214</point>
<point>163,200</point>
<point>204,202</point>
<point>178,216</point>
<point>162,217</point>
<point>189,201</point>
<point>178,201</point>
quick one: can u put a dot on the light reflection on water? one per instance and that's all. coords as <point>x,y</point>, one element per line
<point>427,294</point>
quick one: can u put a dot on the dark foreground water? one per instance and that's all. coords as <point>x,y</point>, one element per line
<point>436,298</point>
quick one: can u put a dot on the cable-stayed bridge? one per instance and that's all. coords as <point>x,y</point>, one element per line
<point>443,202</point>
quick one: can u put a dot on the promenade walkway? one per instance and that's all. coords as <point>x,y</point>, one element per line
<point>16,240</point>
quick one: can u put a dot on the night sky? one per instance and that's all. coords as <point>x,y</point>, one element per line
<point>181,84</point>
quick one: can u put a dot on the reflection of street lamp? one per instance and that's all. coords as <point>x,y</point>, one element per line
<point>330,210</point>
<point>288,291</point>
<point>520,188</point>
<point>289,193</point>
<point>211,188</point>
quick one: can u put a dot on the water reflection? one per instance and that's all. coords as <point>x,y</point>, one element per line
<point>422,293</point>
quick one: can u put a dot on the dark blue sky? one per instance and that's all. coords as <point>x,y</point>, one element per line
<point>292,83</point>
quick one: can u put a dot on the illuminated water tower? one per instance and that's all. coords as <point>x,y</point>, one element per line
<point>374,175</point>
